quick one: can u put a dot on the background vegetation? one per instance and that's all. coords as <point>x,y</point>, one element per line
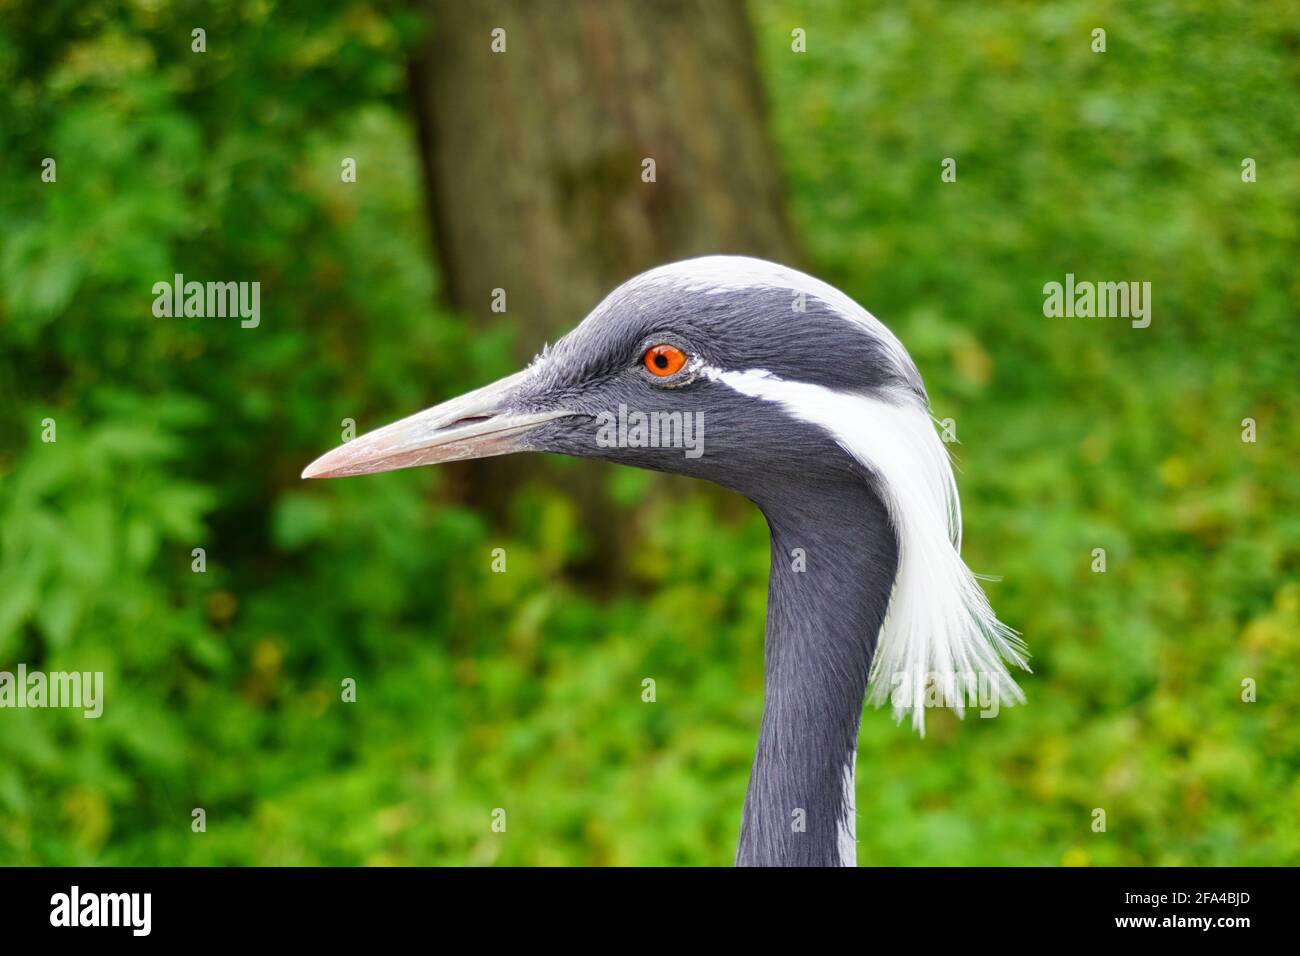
<point>522,690</point>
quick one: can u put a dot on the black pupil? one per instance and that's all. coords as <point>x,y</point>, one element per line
<point>661,360</point>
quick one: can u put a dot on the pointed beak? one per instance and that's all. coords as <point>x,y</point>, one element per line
<point>478,424</point>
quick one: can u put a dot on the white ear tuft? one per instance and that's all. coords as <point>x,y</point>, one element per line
<point>941,643</point>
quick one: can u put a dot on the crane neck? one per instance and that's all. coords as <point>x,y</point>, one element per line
<point>834,557</point>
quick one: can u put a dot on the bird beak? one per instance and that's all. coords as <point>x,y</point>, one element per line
<point>478,424</point>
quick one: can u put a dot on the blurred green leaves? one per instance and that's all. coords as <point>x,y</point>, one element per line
<point>1078,435</point>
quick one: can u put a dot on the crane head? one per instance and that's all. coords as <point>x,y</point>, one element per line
<point>766,381</point>
<point>675,371</point>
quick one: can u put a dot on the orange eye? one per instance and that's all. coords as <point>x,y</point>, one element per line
<point>664,359</point>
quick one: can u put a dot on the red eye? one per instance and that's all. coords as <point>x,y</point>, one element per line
<point>664,359</point>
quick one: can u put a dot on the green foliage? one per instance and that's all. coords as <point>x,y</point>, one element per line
<point>522,690</point>
<point>1079,434</point>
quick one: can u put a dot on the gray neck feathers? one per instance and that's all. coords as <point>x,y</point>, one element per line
<point>822,624</point>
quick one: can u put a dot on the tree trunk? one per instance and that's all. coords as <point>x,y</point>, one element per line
<point>536,159</point>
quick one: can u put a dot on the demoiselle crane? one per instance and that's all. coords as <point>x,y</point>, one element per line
<point>813,410</point>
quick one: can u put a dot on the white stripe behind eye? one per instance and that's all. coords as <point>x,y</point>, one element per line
<point>940,631</point>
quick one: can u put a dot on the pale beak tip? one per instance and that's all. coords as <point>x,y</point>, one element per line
<point>317,469</point>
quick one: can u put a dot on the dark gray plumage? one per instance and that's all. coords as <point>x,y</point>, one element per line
<point>749,328</point>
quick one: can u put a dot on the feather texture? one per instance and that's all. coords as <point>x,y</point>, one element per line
<point>941,639</point>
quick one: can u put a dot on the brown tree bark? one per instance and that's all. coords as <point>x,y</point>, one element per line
<point>535,156</point>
